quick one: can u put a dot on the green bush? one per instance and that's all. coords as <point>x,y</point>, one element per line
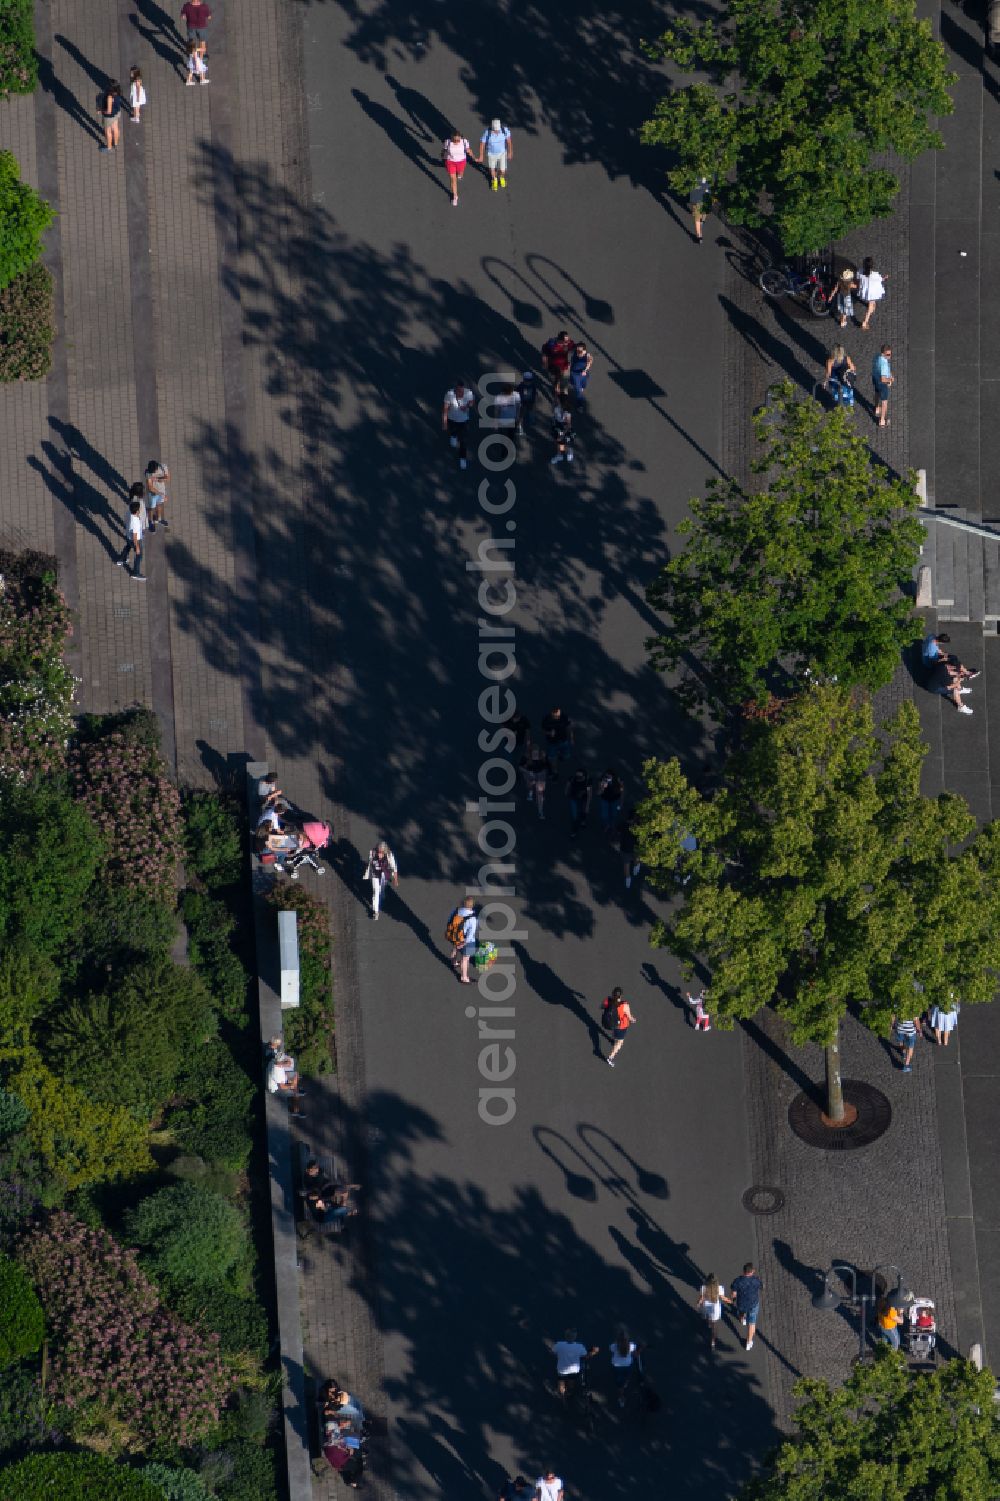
<point>27,1417</point>
<point>213,1118</point>
<point>51,850</point>
<point>18,60</point>
<point>36,686</point>
<point>309,1028</point>
<point>212,839</point>
<point>79,1141</point>
<point>123,926</point>
<point>240,1323</point>
<point>210,926</point>
<point>241,1472</point>
<point>14,1115</point>
<point>176,1485</point>
<point>29,982</point>
<point>22,1322</point>
<point>192,1169</point>
<point>27,324</point>
<point>191,1236</point>
<point>74,1477</point>
<point>128,1047</point>
<point>24,218</point>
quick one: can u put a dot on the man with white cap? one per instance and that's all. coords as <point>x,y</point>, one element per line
<point>496,143</point>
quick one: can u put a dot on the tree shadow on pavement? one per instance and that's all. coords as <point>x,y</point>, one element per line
<point>560,1259</point>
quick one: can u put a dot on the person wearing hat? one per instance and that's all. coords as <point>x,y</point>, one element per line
<point>843,298</point>
<point>497,144</point>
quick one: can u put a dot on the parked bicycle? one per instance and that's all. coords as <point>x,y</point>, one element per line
<point>813,286</point>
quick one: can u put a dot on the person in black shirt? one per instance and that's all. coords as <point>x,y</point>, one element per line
<point>610,793</point>
<point>528,391</point>
<point>579,790</point>
<point>537,769</point>
<point>520,724</point>
<point>558,731</point>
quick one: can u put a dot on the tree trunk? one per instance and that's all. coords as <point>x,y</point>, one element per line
<point>834,1088</point>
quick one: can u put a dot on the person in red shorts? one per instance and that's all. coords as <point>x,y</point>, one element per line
<point>456,149</point>
<point>556,355</point>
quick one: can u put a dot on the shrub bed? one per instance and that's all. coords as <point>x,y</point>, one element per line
<point>27,324</point>
<point>74,1477</point>
<point>22,1322</point>
<point>18,59</point>
<point>309,1028</point>
<point>24,218</point>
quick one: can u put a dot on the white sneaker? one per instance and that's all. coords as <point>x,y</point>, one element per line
<point>569,458</point>
<point>964,709</point>
<point>749,1344</point>
<point>965,690</point>
<point>463,463</point>
<point>628,882</point>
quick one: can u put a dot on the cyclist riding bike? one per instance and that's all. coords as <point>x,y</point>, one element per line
<point>570,1356</point>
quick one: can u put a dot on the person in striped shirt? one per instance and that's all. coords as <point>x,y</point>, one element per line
<point>906,1034</point>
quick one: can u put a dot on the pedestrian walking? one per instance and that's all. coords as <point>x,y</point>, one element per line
<point>112,104</point>
<point>579,790</point>
<point>580,362</point>
<point>197,17</point>
<point>507,409</point>
<point>871,289</point>
<point>609,794</point>
<point>157,480</point>
<point>518,1489</point>
<point>700,204</point>
<point>537,769</point>
<point>136,94</point>
<point>747,1289</point>
<point>528,392</point>
<point>699,1013</point>
<point>709,1303</point>
<point>905,1031</point>
<point>843,297</point>
<point>562,435</point>
<point>620,1012</point>
<point>454,153</point>
<point>496,143</point>
<point>455,415</point>
<point>520,727</point>
<point>882,380</point>
<point>461,930</point>
<point>888,1319</point>
<point>944,1020</point>
<point>557,727</point>
<point>197,67</point>
<point>556,354</point>
<point>625,1354</point>
<point>839,368</point>
<point>380,870</point>
<point>549,1487</point>
<point>133,542</point>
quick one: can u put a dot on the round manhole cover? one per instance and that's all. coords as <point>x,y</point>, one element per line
<point>868,1111</point>
<point>762,1199</point>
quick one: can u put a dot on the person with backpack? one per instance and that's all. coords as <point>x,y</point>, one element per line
<point>381,869</point>
<point>618,1018</point>
<point>496,143</point>
<point>461,930</point>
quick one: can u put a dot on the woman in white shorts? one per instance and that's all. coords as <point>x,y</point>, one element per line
<point>871,289</point>
<point>710,1301</point>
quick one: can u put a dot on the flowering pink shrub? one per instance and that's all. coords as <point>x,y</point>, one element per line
<point>114,1347</point>
<point>36,686</point>
<point>123,784</point>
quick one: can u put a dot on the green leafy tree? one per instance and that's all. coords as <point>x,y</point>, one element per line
<point>212,839</point>
<point>24,218</point>
<point>51,851</point>
<point>804,573</point>
<point>18,59</point>
<point>805,99</point>
<point>22,1322</point>
<point>75,1477</point>
<point>79,1141</point>
<point>191,1236</point>
<point>817,863</point>
<point>176,1485</point>
<point>29,982</point>
<point>883,1436</point>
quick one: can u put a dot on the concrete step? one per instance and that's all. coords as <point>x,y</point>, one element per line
<point>944,584</point>
<point>961,559</point>
<point>977,578</point>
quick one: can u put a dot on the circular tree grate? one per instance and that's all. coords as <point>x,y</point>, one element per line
<point>762,1199</point>
<point>868,1110</point>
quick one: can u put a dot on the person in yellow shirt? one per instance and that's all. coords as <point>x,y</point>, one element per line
<point>888,1319</point>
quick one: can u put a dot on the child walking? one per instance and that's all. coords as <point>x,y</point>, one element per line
<point>710,1301</point>
<point>136,93</point>
<point>702,1020</point>
<point>196,65</point>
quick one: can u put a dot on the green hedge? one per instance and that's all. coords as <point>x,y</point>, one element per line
<point>191,1236</point>
<point>74,1477</point>
<point>24,218</point>
<point>27,325</point>
<point>22,1322</point>
<point>18,60</point>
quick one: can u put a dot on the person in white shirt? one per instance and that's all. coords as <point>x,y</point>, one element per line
<point>570,1355</point>
<point>133,542</point>
<point>871,289</point>
<point>281,1075</point>
<point>455,414</point>
<point>380,870</point>
<point>456,149</point>
<point>549,1487</point>
<point>499,150</point>
<point>710,1301</point>
<point>624,1356</point>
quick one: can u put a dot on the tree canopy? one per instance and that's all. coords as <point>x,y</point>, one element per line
<point>805,97</point>
<point>817,868</point>
<point>883,1436</point>
<point>803,573</point>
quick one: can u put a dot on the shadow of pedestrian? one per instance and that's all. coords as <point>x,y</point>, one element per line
<point>66,100</point>
<point>673,993</point>
<point>85,503</point>
<point>555,992</point>
<point>427,118</point>
<point>162,32</point>
<point>398,909</point>
<point>80,449</point>
<point>401,137</point>
<point>100,76</point>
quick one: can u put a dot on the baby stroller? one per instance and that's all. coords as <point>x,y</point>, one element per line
<point>920,1331</point>
<point>317,836</point>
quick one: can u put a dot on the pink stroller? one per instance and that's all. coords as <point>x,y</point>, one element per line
<point>317,836</point>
